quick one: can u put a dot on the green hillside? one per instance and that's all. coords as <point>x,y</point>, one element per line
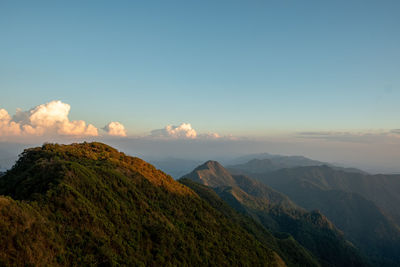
<point>287,247</point>
<point>87,204</point>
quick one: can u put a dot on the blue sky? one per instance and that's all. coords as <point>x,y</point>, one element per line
<point>232,67</point>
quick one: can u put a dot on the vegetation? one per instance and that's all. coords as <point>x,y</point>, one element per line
<point>87,204</point>
<point>280,215</point>
<point>358,204</point>
<point>287,247</point>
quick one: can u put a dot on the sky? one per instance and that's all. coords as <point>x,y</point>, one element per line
<point>309,75</point>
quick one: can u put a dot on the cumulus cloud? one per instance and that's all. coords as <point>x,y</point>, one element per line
<point>183,131</point>
<point>115,128</point>
<point>7,126</point>
<point>47,119</point>
<point>210,136</point>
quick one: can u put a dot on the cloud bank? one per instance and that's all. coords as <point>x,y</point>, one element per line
<point>51,120</point>
<point>47,119</point>
<point>354,137</point>
<point>115,128</point>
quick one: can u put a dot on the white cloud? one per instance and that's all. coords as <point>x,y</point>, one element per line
<point>78,128</point>
<point>47,119</point>
<point>183,131</point>
<point>51,120</point>
<point>8,127</point>
<point>47,115</point>
<point>115,128</point>
<point>209,136</point>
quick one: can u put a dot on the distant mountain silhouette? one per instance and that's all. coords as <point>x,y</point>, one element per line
<point>261,156</point>
<point>261,163</point>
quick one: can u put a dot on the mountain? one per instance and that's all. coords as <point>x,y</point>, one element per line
<point>287,247</point>
<point>261,163</point>
<point>361,205</point>
<point>278,213</point>
<point>292,160</point>
<point>383,190</point>
<point>211,174</point>
<point>88,204</point>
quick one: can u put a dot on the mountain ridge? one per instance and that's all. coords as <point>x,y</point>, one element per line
<point>261,163</point>
<point>278,213</point>
<point>350,201</point>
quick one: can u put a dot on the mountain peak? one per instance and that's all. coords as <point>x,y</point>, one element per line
<point>40,168</point>
<point>211,173</point>
<point>210,164</point>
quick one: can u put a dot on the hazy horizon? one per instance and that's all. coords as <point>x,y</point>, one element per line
<point>223,151</point>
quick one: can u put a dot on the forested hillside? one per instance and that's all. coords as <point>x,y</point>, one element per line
<point>88,204</point>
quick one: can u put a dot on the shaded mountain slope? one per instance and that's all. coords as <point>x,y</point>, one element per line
<point>88,204</point>
<point>383,190</point>
<point>279,214</point>
<point>287,247</point>
<point>343,198</point>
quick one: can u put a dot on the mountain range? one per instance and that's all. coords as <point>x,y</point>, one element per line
<point>261,163</point>
<point>277,213</point>
<point>365,207</point>
<point>89,204</point>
